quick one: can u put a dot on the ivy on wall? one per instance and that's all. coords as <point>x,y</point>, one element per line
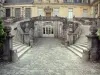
<point>2,33</point>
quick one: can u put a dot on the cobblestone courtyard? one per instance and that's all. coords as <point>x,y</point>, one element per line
<point>49,57</point>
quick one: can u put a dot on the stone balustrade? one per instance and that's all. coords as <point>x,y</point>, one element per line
<point>51,18</point>
<point>73,33</point>
<point>85,20</point>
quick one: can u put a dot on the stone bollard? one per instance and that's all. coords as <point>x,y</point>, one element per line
<point>86,55</point>
<point>31,43</point>
<point>8,53</point>
<point>93,44</point>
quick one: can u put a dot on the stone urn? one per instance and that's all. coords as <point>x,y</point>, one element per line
<point>93,29</point>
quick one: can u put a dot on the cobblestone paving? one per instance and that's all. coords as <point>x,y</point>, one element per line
<point>49,57</point>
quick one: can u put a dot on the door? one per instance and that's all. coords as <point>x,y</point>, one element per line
<point>48,31</point>
<point>70,13</point>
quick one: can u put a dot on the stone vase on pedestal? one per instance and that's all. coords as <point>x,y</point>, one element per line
<point>9,54</point>
<point>93,44</point>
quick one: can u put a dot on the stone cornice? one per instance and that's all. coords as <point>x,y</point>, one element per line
<point>61,4</point>
<point>50,4</point>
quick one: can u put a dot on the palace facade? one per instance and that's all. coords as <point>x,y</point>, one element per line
<point>62,8</point>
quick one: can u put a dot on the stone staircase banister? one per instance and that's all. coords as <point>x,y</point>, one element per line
<point>26,35</point>
<point>74,35</point>
<point>77,33</point>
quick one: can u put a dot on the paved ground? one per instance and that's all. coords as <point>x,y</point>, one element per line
<point>49,57</point>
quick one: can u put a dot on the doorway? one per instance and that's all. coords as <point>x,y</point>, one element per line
<point>48,31</point>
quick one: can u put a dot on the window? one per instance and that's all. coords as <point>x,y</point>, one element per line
<point>70,13</point>
<point>65,1</point>
<point>85,13</point>
<point>2,1</point>
<point>85,1</point>
<point>8,11</point>
<point>39,1</point>
<point>78,1</point>
<point>40,12</point>
<point>17,12</point>
<point>70,1</point>
<point>28,13</point>
<point>56,12</point>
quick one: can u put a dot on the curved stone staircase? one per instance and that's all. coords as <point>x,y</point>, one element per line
<point>82,43</point>
<point>77,48</point>
<point>20,48</point>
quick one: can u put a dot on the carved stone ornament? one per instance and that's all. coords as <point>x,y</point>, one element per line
<point>7,29</point>
<point>93,28</point>
<point>48,9</point>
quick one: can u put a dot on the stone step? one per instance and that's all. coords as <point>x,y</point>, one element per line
<point>82,47</point>
<point>14,45</point>
<point>23,52</point>
<point>78,48</point>
<point>84,44</point>
<point>20,48</point>
<point>75,51</point>
<point>17,47</point>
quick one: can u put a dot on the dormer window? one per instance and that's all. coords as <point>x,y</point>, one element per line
<point>2,1</point>
<point>39,1</point>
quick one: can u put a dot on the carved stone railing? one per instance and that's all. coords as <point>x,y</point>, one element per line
<point>25,32</point>
<point>85,20</point>
<point>11,20</point>
<point>51,18</point>
<point>73,33</point>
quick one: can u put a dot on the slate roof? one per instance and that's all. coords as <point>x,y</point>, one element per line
<point>19,1</point>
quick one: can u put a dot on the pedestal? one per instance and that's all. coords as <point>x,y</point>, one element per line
<point>93,47</point>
